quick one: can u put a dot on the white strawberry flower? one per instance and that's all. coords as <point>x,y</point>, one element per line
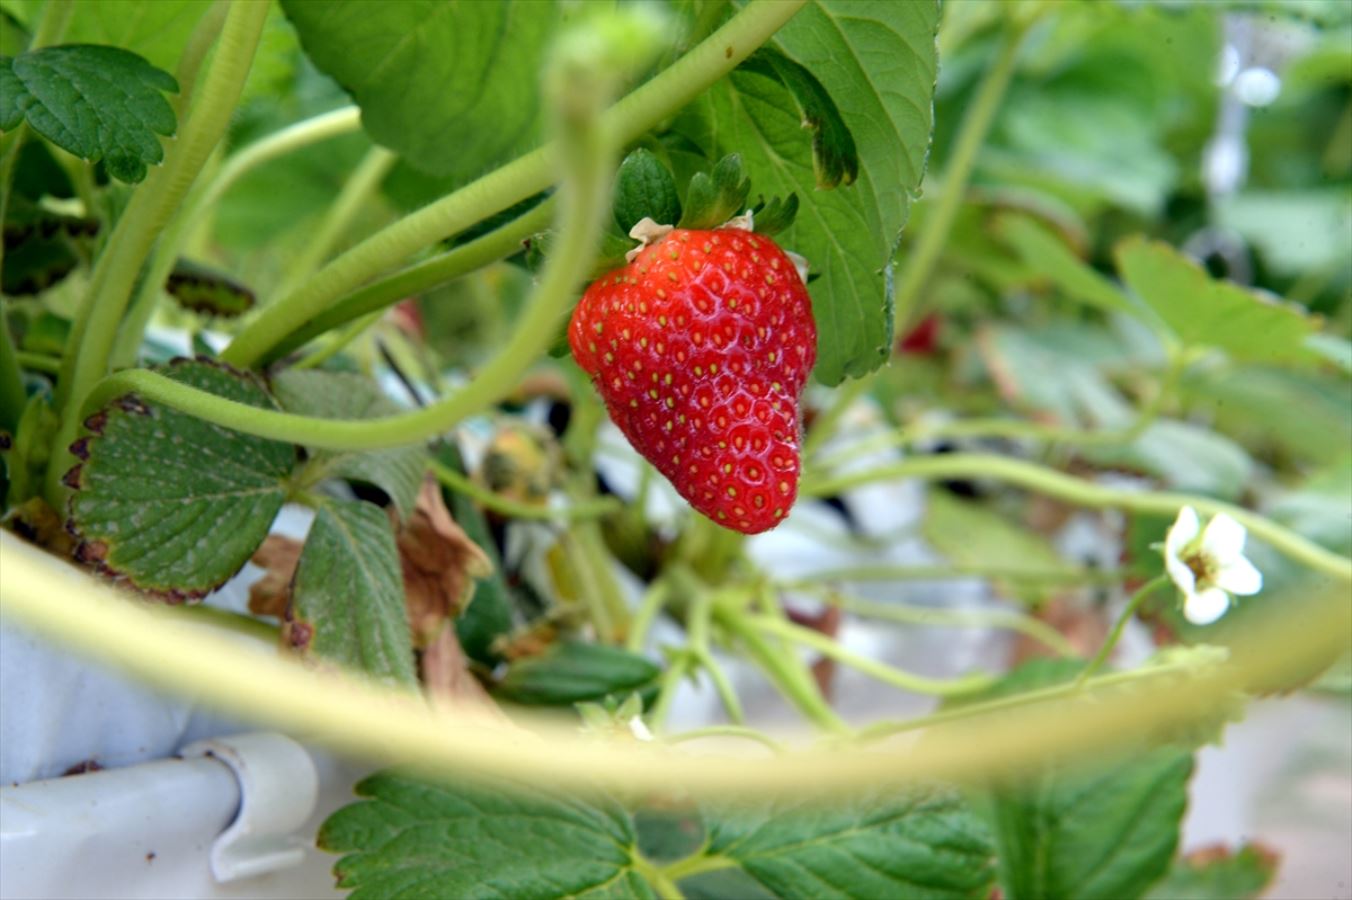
<point>1208,564</point>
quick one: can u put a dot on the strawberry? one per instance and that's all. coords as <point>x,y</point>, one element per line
<point>701,347</point>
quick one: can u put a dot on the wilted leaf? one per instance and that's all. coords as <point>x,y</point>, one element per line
<point>440,565</point>
<point>277,557</point>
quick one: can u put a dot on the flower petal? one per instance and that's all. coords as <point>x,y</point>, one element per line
<point>1223,539</point>
<point>1239,576</point>
<point>1182,532</point>
<point>1206,607</point>
<point>1180,574</point>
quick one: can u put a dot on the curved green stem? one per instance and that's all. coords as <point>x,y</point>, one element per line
<point>1085,493</point>
<point>445,267</point>
<point>515,509</point>
<point>907,681</point>
<point>38,362</point>
<point>735,731</point>
<point>782,669</point>
<point>962,618</point>
<point>1116,634</point>
<point>526,176</point>
<point>971,134</point>
<point>152,205</point>
<point>1020,429</point>
<point>652,603</point>
<point>697,630</point>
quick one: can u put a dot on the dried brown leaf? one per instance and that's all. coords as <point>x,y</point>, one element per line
<point>279,556</point>
<point>440,565</point>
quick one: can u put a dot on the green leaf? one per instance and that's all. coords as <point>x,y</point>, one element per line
<point>453,87</point>
<point>835,160</point>
<point>95,102</point>
<point>344,395</point>
<point>347,599</point>
<point>712,199</point>
<point>876,61</point>
<point>157,31</point>
<point>209,291</point>
<point>480,839</point>
<point>974,534</point>
<point>573,671</point>
<point>1102,831</point>
<point>1205,312</point>
<point>1051,258</point>
<point>777,214</point>
<point>1211,875</point>
<point>1336,350</point>
<point>918,844</point>
<point>644,187</point>
<point>170,503</point>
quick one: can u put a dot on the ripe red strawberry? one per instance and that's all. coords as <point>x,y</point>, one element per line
<point>700,348</point>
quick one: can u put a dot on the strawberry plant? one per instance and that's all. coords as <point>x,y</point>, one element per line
<point>968,385</point>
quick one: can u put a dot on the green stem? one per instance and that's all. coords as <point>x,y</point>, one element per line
<point>589,591</point>
<point>662,884</point>
<point>653,602</point>
<point>194,53</point>
<point>880,730</point>
<point>953,571</point>
<point>697,631</point>
<point>971,135</point>
<point>152,205</point>
<point>783,669</point>
<point>1084,493</point>
<point>962,618</point>
<point>13,397</point>
<point>677,669</point>
<point>1116,634</point>
<point>696,864</point>
<point>497,244</point>
<point>627,120</point>
<point>734,731</point>
<point>826,423</point>
<point>1020,429</point>
<point>363,182</point>
<point>907,681</point>
<point>515,509</point>
<point>336,343</point>
<point>346,120</point>
<point>38,362</point>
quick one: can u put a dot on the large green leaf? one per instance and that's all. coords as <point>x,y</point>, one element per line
<point>876,61</point>
<point>1101,831</point>
<point>347,600</point>
<point>906,844</point>
<point>95,102</point>
<point>450,85</point>
<point>158,30</point>
<point>345,395</point>
<point>1205,312</point>
<point>171,503</point>
<point>483,839</point>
